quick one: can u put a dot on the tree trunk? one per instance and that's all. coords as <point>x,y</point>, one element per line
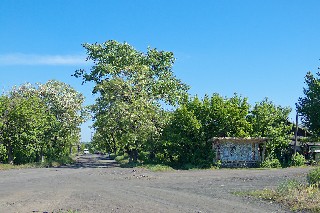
<point>38,156</point>
<point>130,153</point>
<point>135,155</point>
<point>41,154</point>
<point>152,155</point>
<point>10,154</point>
<point>115,148</point>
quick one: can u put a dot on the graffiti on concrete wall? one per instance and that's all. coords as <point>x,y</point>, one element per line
<point>239,152</point>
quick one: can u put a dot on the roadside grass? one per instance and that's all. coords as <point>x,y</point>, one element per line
<point>46,164</point>
<point>157,167</point>
<point>123,160</point>
<point>292,194</point>
<point>145,162</point>
<point>23,166</point>
<point>149,166</point>
<point>66,160</point>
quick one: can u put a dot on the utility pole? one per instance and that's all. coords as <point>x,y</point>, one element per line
<point>296,135</point>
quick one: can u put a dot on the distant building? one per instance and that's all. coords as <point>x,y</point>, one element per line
<point>303,145</point>
<point>311,150</point>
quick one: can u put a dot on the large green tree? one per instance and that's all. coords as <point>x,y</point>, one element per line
<point>182,140</point>
<point>227,116</point>
<point>186,137</point>
<point>132,88</point>
<point>22,118</point>
<point>65,104</point>
<point>272,121</point>
<point>41,120</point>
<point>309,105</point>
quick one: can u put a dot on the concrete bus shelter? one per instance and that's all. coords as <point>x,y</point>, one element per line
<point>239,152</point>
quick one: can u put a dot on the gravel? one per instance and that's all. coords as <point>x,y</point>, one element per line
<point>96,184</point>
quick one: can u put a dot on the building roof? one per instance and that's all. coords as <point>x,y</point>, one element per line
<point>238,140</point>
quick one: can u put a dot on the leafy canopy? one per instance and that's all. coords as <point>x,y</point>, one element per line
<point>132,88</point>
<point>309,105</point>
<point>186,137</point>
<point>42,120</point>
<point>271,121</point>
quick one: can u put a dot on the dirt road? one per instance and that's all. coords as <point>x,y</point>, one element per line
<point>98,185</point>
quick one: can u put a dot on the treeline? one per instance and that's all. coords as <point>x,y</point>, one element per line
<point>185,139</point>
<point>134,91</point>
<point>185,132</point>
<point>39,121</point>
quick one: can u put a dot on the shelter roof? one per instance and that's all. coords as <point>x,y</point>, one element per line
<point>238,140</point>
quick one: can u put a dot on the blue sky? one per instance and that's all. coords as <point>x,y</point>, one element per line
<point>254,48</point>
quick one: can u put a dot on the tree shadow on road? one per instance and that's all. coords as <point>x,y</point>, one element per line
<point>92,161</point>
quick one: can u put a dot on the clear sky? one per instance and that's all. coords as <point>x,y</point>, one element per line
<point>254,48</point>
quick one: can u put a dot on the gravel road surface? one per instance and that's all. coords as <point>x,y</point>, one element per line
<point>96,184</point>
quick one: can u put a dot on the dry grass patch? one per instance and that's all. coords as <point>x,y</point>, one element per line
<point>23,166</point>
<point>294,195</point>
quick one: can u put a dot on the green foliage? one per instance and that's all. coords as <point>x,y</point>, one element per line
<point>22,118</point>
<point>112,156</point>
<point>271,121</point>
<point>144,156</point>
<point>308,106</point>
<point>185,139</point>
<point>21,166</point>
<point>64,160</point>
<point>218,164</point>
<point>297,160</point>
<point>122,159</point>
<point>39,121</point>
<point>157,167</point>
<point>131,86</point>
<point>313,176</point>
<point>292,194</point>
<point>3,153</point>
<point>129,113</point>
<point>65,105</point>
<point>288,186</point>
<point>226,117</point>
<point>271,163</point>
<point>181,137</point>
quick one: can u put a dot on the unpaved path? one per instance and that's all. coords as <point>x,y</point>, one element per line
<point>96,184</point>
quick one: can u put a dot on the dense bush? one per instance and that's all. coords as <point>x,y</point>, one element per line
<point>271,163</point>
<point>157,167</point>
<point>313,176</point>
<point>297,160</point>
<point>122,159</point>
<point>64,160</point>
<point>185,140</point>
<point>3,157</point>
